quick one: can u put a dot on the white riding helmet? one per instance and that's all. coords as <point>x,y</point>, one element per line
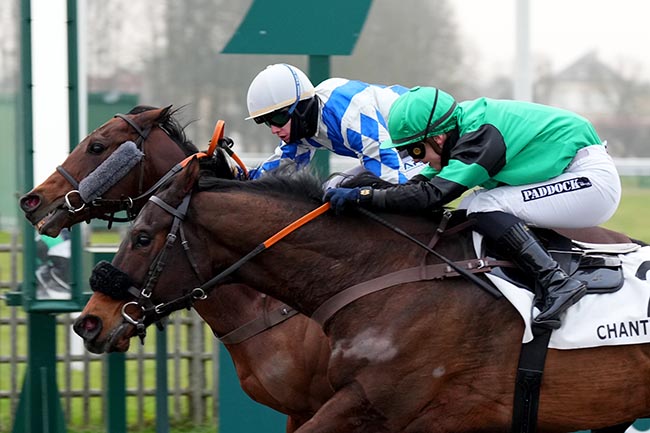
<point>276,87</point>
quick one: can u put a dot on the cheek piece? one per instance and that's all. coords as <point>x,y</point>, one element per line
<point>109,172</point>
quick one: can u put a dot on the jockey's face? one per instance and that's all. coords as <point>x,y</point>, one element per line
<point>283,132</point>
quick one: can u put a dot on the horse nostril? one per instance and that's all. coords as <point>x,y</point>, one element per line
<point>29,202</point>
<point>87,327</point>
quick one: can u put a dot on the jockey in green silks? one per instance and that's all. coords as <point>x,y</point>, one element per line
<point>529,164</point>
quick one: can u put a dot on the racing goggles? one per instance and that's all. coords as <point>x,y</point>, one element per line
<point>415,150</point>
<point>277,118</point>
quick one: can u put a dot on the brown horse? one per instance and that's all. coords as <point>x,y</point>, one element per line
<point>56,203</point>
<point>281,366</point>
<point>434,356</point>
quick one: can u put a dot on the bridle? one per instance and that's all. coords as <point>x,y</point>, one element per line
<point>218,142</point>
<point>125,203</point>
<point>154,313</point>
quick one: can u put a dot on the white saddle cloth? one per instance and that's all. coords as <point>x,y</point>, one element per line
<point>608,319</point>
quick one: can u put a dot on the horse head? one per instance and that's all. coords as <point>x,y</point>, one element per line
<point>162,266</point>
<point>146,273</point>
<point>110,169</point>
<point>132,293</point>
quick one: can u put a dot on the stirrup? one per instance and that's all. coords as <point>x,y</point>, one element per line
<point>551,323</point>
<point>554,320</point>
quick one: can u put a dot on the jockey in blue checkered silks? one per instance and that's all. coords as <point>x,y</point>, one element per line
<point>526,163</point>
<point>343,116</point>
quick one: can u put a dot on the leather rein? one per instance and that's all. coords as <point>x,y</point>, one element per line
<point>154,313</point>
<point>151,313</point>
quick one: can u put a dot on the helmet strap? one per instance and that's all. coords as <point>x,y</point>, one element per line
<point>433,110</point>
<point>434,146</point>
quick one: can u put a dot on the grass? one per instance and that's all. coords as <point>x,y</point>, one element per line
<point>631,216</point>
<point>176,428</point>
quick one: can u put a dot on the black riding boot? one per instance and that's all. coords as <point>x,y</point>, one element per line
<point>558,290</point>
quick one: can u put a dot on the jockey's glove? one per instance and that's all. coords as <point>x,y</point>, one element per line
<point>342,199</point>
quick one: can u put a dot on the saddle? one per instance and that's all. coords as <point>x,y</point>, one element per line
<point>597,265</point>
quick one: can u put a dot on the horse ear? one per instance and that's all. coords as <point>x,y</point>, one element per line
<point>190,174</point>
<point>165,111</point>
<point>148,118</point>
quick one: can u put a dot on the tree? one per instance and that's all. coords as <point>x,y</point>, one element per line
<point>177,56</point>
<point>409,43</point>
<point>9,40</point>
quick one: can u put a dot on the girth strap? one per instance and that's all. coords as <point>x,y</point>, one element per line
<point>529,381</point>
<point>419,273</point>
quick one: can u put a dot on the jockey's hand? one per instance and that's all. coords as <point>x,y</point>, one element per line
<point>342,199</point>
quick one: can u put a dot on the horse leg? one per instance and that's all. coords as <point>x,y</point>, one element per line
<point>347,411</point>
<point>618,428</point>
<point>293,423</point>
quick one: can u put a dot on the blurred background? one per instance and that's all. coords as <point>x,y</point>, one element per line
<point>588,56</point>
<point>582,55</point>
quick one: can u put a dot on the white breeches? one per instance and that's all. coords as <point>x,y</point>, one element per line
<point>585,195</point>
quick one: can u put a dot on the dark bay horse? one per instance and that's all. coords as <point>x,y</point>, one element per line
<point>435,356</point>
<point>288,374</point>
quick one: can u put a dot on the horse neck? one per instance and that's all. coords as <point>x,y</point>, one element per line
<point>318,260</point>
<point>230,306</point>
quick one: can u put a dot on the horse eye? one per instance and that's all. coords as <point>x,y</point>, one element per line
<point>142,240</point>
<point>96,148</point>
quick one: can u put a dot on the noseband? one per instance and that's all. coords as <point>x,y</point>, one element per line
<point>123,204</point>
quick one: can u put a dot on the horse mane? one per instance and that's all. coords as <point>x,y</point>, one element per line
<point>171,125</point>
<point>287,181</point>
<point>304,185</point>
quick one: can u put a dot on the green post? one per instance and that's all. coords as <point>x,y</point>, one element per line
<point>162,415</point>
<point>116,392</point>
<point>76,262</point>
<point>27,132</point>
<point>39,409</point>
<point>237,412</point>
<point>318,71</point>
